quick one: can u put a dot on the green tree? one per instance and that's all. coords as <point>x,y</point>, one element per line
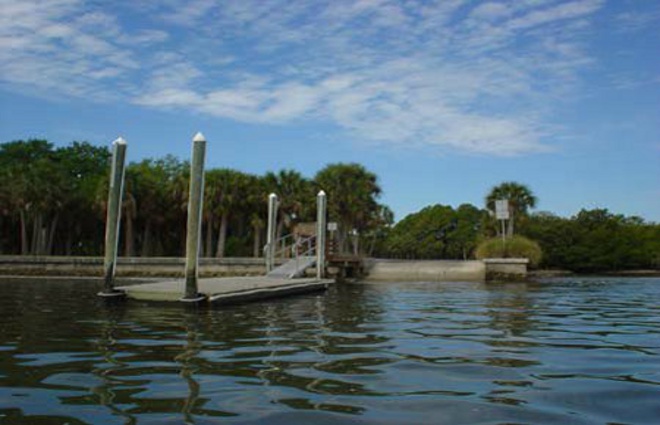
<point>554,234</point>
<point>257,211</point>
<point>84,169</point>
<point>607,241</point>
<point>520,198</point>
<point>33,189</point>
<point>422,235</point>
<point>436,231</point>
<point>226,195</point>
<point>152,183</point>
<point>468,228</point>
<point>378,228</point>
<point>49,194</point>
<point>352,193</point>
<point>595,241</point>
<point>295,195</point>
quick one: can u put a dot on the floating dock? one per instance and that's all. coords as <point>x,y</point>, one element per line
<point>227,290</point>
<point>279,281</point>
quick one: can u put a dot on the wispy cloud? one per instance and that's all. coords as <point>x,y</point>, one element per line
<point>60,47</point>
<point>451,75</point>
<point>554,14</point>
<point>632,21</point>
<point>189,13</point>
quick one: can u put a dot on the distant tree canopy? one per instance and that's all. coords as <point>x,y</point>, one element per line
<point>437,231</point>
<point>591,241</point>
<point>48,195</point>
<point>595,240</point>
<point>53,201</point>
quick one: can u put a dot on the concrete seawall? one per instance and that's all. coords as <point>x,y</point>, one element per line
<point>128,266</point>
<point>379,270</point>
<point>376,270</point>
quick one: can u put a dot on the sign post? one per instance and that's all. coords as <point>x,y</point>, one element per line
<point>502,214</point>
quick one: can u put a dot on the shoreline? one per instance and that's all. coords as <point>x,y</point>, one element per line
<point>542,274</point>
<point>131,280</point>
<point>149,268</point>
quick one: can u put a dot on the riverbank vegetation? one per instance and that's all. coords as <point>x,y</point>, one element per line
<point>52,202</point>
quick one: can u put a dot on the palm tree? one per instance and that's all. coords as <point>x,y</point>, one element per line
<point>520,198</point>
<point>154,184</point>
<point>256,211</point>
<point>295,196</point>
<point>85,170</point>
<point>352,192</point>
<point>35,188</point>
<point>226,194</point>
<point>178,187</point>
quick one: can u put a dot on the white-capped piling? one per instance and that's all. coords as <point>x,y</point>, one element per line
<point>113,218</point>
<point>271,229</point>
<point>321,203</point>
<point>195,203</point>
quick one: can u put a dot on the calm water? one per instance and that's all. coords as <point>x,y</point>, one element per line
<point>560,352</point>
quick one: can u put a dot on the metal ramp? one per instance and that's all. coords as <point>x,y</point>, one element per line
<point>293,268</point>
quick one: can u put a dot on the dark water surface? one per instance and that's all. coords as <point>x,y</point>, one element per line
<point>566,351</point>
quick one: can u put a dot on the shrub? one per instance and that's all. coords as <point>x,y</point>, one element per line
<point>514,247</point>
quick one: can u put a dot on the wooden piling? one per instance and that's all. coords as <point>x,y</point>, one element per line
<point>321,203</point>
<point>113,218</point>
<point>195,203</point>
<point>271,237</point>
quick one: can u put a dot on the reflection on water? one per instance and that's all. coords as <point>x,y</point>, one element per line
<point>561,351</point>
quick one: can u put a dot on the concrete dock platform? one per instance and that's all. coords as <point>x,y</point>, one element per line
<point>227,290</point>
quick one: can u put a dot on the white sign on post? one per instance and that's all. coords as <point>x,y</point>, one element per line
<point>332,226</point>
<point>502,209</point>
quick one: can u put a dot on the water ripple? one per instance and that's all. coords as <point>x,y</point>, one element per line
<point>561,351</point>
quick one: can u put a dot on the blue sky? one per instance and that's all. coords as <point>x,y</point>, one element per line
<point>441,99</point>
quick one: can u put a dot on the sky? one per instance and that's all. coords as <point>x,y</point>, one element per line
<point>441,99</point>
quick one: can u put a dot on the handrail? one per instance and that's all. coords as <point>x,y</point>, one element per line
<point>281,247</point>
<point>301,242</point>
<point>310,248</point>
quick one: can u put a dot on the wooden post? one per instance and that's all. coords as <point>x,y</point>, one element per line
<point>272,228</point>
<point>195,202</point>
<point>113,218</point>
<point>320,234</point>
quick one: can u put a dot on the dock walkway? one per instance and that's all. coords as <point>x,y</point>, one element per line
<point>227,290</point>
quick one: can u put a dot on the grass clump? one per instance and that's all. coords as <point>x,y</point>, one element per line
<point>513,247</point>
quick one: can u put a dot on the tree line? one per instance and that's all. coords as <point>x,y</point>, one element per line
<point>53,202</point>
<point>589,242</point>
<point>595,240</point>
